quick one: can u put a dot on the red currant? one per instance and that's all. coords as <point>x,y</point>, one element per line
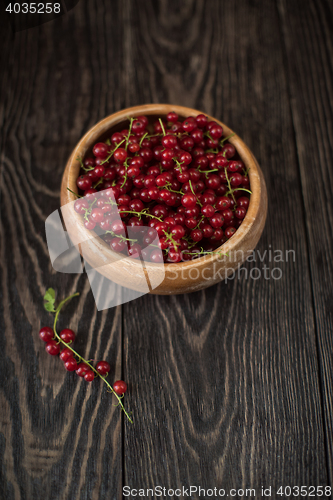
<point>82,369</point>
<point>71,364</point>
<point>65,354</point>
<point>67,335</point>
<point>103,368</point>
<point>46,333</point>
<point>52,347</point>
<point>89,376</point>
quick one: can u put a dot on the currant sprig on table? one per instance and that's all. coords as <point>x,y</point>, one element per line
<point>72,360</point>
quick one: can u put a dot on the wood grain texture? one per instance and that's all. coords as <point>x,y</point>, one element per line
<point>226,377</point>
<point>309,30</point>
<point>61,438</point>
<point>231,386</point>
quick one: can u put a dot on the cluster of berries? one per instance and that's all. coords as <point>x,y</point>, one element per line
<point>82,368</point>
<point>182,179</point>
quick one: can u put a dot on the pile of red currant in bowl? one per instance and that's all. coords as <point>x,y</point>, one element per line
<point>179,178</point>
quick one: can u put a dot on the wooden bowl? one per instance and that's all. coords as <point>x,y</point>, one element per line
<point>183,277</point>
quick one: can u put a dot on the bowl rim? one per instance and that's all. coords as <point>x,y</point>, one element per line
<point>110,121</point>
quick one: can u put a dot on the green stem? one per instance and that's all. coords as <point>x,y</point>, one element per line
<point>225,139</point>
<point>140,214</point>
<point>129,133</point>
<point>162,126</point>
<point>230,190</point>
<point>121,237</point>
<point>78,195</point>
<point>142,138</point>
<point>202,218</point>
<point>179,165</point>
<point>108,157</point>
<point>57,312</point>
<point>238,189</point>
<point>207,171</point>
<point>190,183</point>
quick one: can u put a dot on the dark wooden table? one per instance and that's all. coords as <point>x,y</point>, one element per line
<point>230,387</point>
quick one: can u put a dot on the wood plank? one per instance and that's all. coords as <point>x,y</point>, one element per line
<point>60,437</point>
<point>224,383</point>
<point>308,31</point>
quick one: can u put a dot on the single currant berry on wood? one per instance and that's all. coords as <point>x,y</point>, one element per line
<point>103,368</point>
<point>120,387</point>
<point>89,376</point>
<point>65,354</point>
<point>71,365</point>
<point>52,348</point>
<point>82,369</point>
<point>67,335</point>
<point>46,333</point>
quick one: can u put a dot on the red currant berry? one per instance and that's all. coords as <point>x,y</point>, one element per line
<point>189,200</point>
<point>146,154</point>
<point>143,119</point>
<point>216,131</point>
<point>89,376</point>
<point>138,126</point>
<point>120,155</point>
<point>103,368</point>
<point>101,150</point>
<point>156,256</point>
<point>208,210</point>
<point>67,335</point>
<point>213,181</point>
<point>216,221</point>
<point>65,354</point>
<point>243,202</point>
<point>207,230</point>
<point>46,334</point>
<point>196,235</point>
<point>84,182</point>
<point>245,181</point>
<point>189,124</point>
<point>52,347</point>
<point>117,245</point>
<point>240,212</point>
<point>229,232</point>
<point>222,203</point>
<point>97,215</point>
<point>120,387</point>
<point>201,121</point>
<point>228,151</point>
<point>227,214</point>
<point>172,117</point>
<point>178,231</point>
<point>82,369</point>
<point>81,205</point>
<point>174,256</point>
<point>236,179</point>
<point>71,365</point>
<point>169,141</point>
